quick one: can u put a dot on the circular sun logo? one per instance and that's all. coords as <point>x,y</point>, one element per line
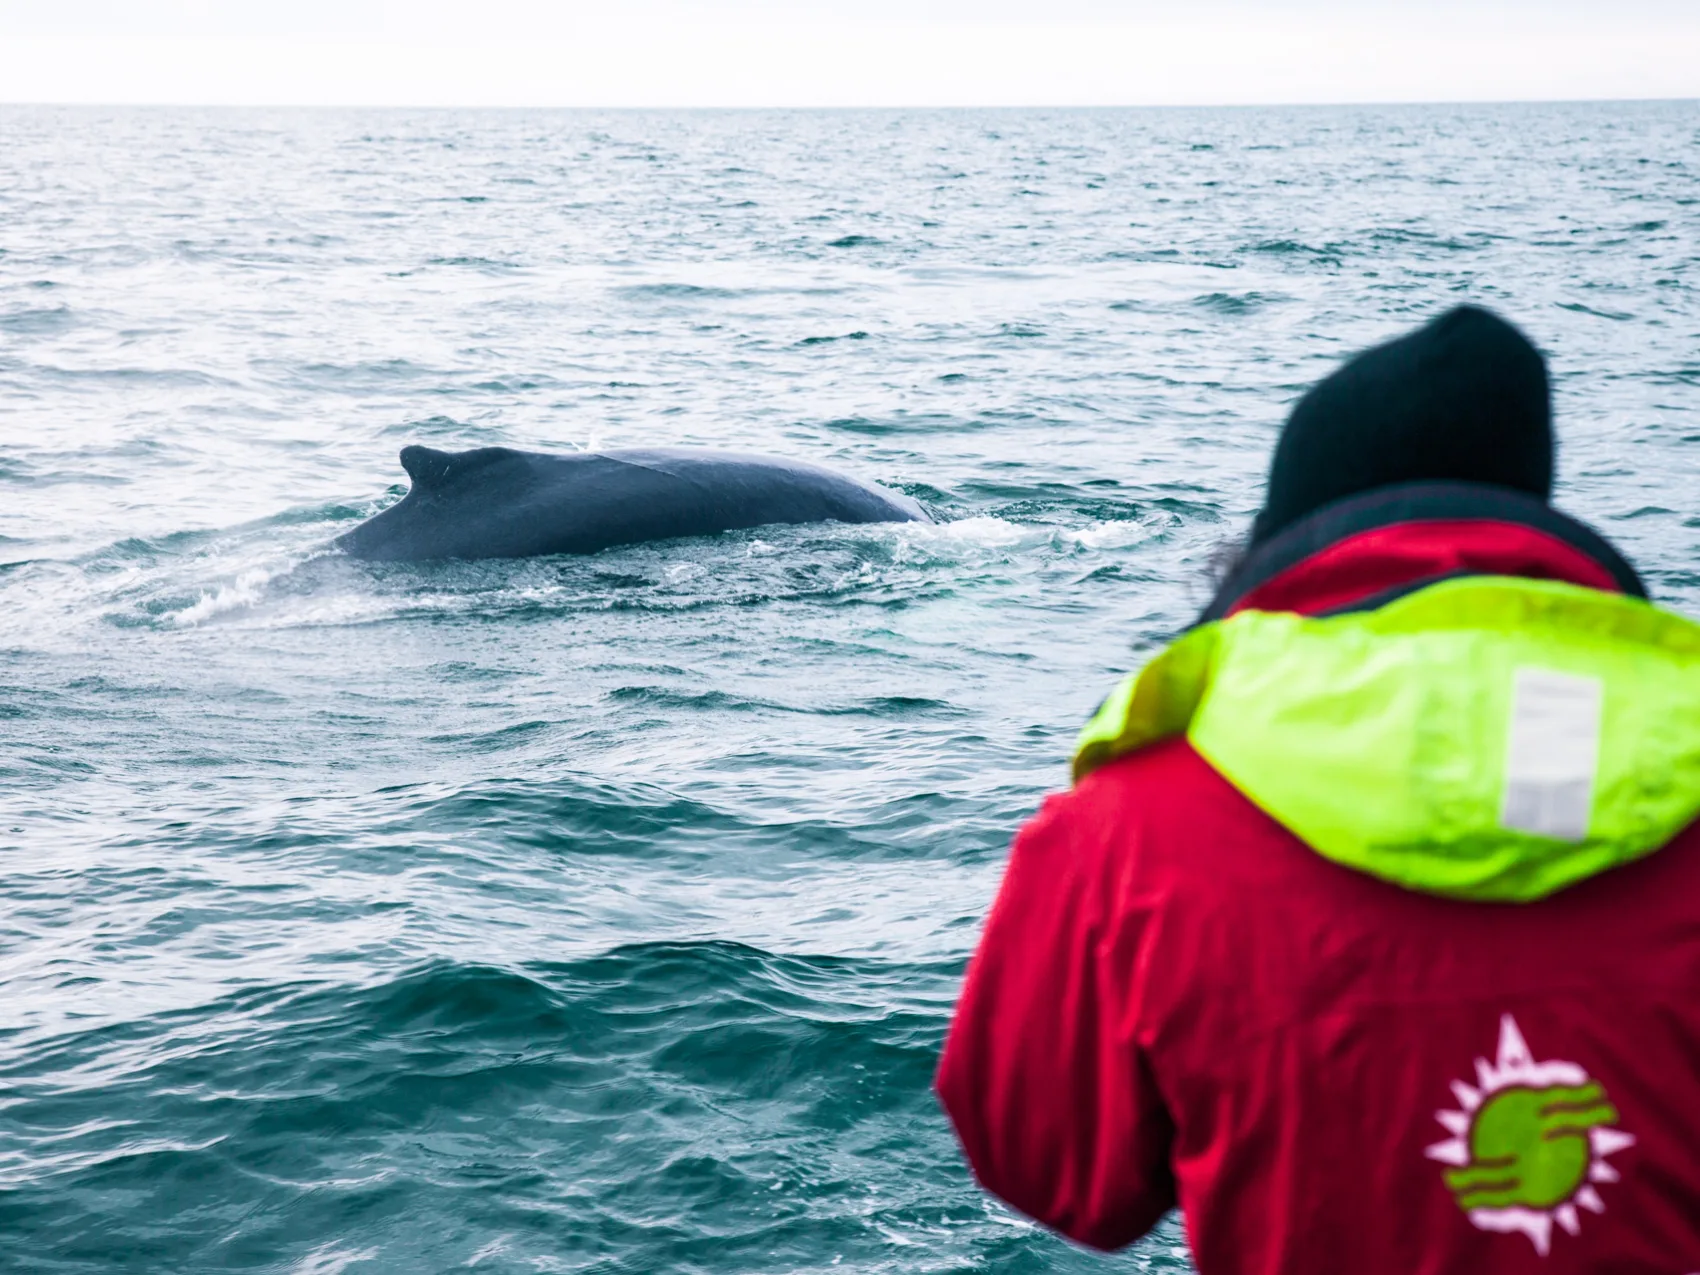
<point>1529,1141</point>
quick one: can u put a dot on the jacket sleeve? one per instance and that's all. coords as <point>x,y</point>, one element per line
<point>1055,1105</point>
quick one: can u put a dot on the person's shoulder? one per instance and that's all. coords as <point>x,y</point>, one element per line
<point>1166,818</point>
<point>1159,783</point>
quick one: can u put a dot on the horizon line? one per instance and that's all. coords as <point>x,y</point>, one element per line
<point>725,108</point>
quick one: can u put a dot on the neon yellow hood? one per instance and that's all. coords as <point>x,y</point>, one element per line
<point>1488,738</point>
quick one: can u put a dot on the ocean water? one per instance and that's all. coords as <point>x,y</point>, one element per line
<point>605,914</point>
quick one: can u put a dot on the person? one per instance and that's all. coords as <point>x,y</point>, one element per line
<point>1369,932</point>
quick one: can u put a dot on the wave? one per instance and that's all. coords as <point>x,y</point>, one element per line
<point>882,706</point>
<point>1238,303</point>
<point>682,292</point>
<point>32,321</point>
<point>1576,307</point>
<point>644,1101</point>
<point>581,818</point>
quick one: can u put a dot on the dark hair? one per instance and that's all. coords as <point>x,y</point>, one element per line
<point>1225,558</point>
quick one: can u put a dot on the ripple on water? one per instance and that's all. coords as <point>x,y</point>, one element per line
<point>619,1096</point>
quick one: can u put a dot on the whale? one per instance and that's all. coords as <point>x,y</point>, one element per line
<point>496,502</point>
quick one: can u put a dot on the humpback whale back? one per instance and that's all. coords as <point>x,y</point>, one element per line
<point>496,502</point>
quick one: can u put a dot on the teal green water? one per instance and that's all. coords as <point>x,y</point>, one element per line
<point>605,914</point>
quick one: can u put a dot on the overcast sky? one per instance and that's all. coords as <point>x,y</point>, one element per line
<point>847,53</point>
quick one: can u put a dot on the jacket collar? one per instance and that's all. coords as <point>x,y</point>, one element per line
<point>1370,548</point>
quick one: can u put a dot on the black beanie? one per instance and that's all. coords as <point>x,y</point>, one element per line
<point>1464,398</point>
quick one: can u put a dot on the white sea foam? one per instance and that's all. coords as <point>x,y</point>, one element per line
<point>242,592</point>
<point>1113,534</point>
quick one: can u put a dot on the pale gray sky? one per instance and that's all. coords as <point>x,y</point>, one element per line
<point>848,52</point>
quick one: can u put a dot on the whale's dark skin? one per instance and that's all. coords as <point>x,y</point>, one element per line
<point>498,503</point>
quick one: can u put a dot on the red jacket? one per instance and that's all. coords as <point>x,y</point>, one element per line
<point>1177,1002</point>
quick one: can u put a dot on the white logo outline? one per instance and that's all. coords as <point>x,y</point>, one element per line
<point>1515,1067</point>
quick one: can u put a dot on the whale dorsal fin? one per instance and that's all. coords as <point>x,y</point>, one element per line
<point>426,466</point>
<point>430,469</point>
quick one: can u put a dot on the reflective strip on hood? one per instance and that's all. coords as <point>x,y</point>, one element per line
<point>1490,737</point>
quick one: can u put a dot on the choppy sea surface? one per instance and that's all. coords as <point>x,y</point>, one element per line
<point>605,914</point>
